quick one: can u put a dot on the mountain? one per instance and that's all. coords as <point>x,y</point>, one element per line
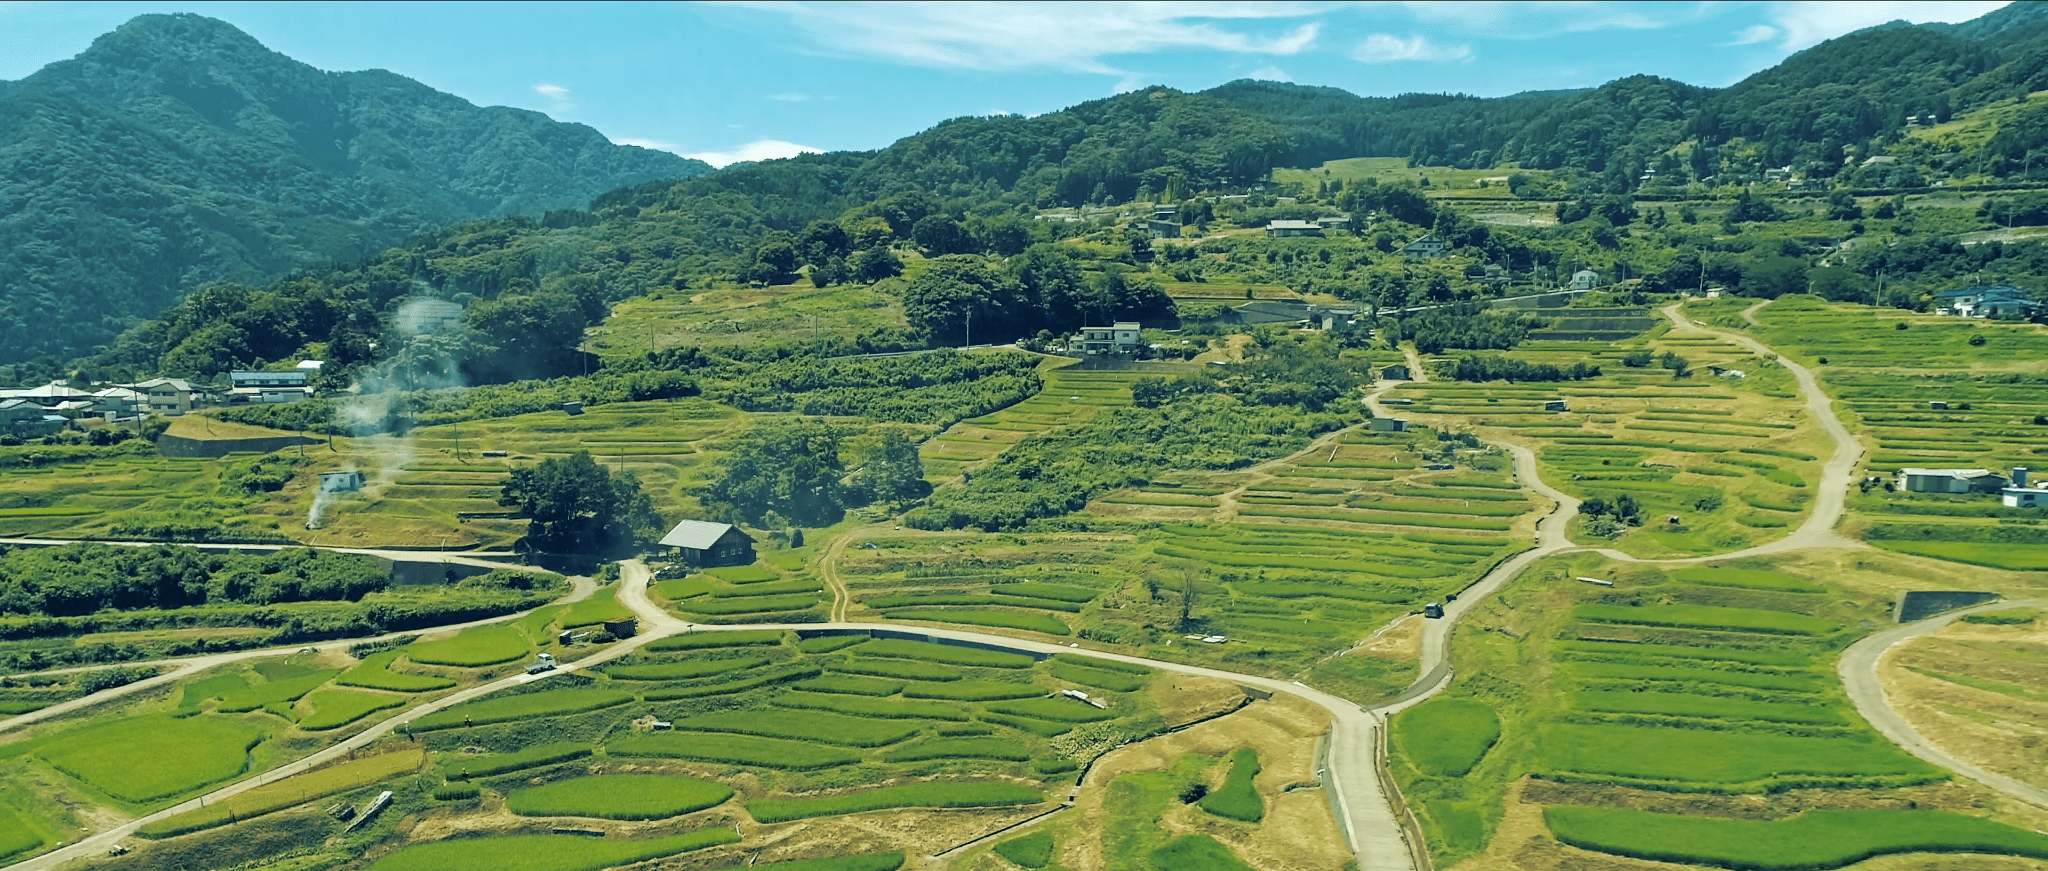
<point>177,150</point>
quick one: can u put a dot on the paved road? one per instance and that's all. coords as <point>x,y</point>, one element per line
<point>1859,669</point>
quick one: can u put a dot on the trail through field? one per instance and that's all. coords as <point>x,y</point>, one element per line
<point>828,567</point>
<point>1859,670</point>
<point>1415,371</point>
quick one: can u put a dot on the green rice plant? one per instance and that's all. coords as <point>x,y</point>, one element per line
<point>501,763</point>
<point>1058,709</point>
<point>2011,556</point>
<point>946,794</point>
<point>1485,509</point>
<point>619,797</point>
<point>1797,681</point>
<point>1197,851</point>
<point>809,725</point>
<point>274,692</point>
<point>716,638</point>
<point>748,605</point>
<point>1107,664</point>
<point>545,852</point>
<point>524,706</point>
<point>333,709</point>
<point>1715,707</point>
<point>143,759</point>
<point>733,750</point>
<point>1055,592</point>
<point>1446,737</point>
<point>742,574</point>
<point>801,585</point>
<point>289,792</point>
<point>730,687</point>
<point>375,673</point>
<point>971,690</point>
<point>1041,728</point>
<point>960,748</point>
<point>457,792</point>
<point>1044,623</point>
<point>950,654</point>
<point>1723,761</point>
<point>852,686</point>
<point>1817,839</point>
<point>1029,851</point>
<point>1706,617</point>
<point>1788,658</point>
<point>1238,798</point>
<point>685,670</point>
<point>865,706</point>
<point>677,589</point>
<point>861,862</point>
<point>898,668</point>
<point>1383,518</point>
<point>481,646</point>
<point>599,607</point>
<point>923,599</point>
<point>1122,682</point>
<point>829,643</point>
<point>1754,579</point>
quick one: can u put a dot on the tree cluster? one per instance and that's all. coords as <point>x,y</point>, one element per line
<point>579,507</point>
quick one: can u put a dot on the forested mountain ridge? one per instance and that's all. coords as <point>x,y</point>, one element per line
<point>178,150</point>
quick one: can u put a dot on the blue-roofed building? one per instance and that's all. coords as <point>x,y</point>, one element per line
<point>1997,302</point>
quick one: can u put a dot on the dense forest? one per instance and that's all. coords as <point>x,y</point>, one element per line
<point>178,151</point>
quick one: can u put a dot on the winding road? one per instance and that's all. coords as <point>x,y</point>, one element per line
<point>1367,814</point>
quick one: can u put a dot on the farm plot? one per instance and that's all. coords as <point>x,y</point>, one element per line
<point>289,792</point>
<point>154,757</point>
<point>1715,461</point>
<point>545,852</point>
<point>1813,840</point>
<point>1703,681</point>
<point>122,494</point>
<point>759,593</point>
<point>1038,583</point>
<point>1979,690</point>
<point>1921,394</point>
<point>375,672</point>
<point>619,797</point>
<point>473,648</point>
<point>1069,396</point>
<point>940,795</point>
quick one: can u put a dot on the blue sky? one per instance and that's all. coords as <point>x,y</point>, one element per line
<point>726,81</point>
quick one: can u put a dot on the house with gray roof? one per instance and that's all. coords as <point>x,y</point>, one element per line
<point>702,544</point>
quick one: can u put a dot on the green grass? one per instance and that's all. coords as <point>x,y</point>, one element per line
<point>1818,839</point>
<point>290,792</point>
<point>1061,710</point>
<point>1029,851</point>
<point>701,640</point>
<point>867,706</point>
<point>1123,682</point>
<point>1446,737</point>
<point>601,606</point>
<point>1107,664</point>
<point>945,653</point>
<point>1798,681</point>
<point>742,574</point>
<point>862,862</point>
<point>935,795</point>
<point>972,690</point>
<point>531,757</point>
<point>619,797</point>
<point>722,607</point>
<point>274,692</point>
<point>524,706</point>
<point>730,687</point>
<point>1196,852</point>
<point>481,646</point>
<point>850,685</point>
<point>683,670</point>
<point>1056,592</point>
<point>733,750</point>
<point>15,836</point>
<point>333,709</point>
<point>2011,556</point>
<point>899,669</point>
<point>829,643</point>
<point>2008,617</point>
<point>804,725</point>
<point>1706,617</point>
<point>1238,798</point>
<point>961,748</point>
<point>1755,579</point>
<point>375,673</point>
<point>545,852</point>
<point>1724,761</point>
<point>142,759</point>
<point>1715,707</point>
<point>1004,619</point>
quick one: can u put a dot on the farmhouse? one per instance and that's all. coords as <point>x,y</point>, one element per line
<point>1387,424</point>
<point>169,397</point>
<point>1950,481</point>
<point>703,544</point>
<point>1996,302</point>
<point>1122,339</point>
<point>269,387</point>
<point>1396,372</point>
<point>1556,405</point>
<point>1163,229</point>
<point>341,482</point>
<point>1584,279</point>
<point>1429,247</point>
<point>1272,312</point>
<point>1293,228</point>
<point>24,418</point>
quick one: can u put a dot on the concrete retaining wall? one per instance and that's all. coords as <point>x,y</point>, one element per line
<point>1922,604</point>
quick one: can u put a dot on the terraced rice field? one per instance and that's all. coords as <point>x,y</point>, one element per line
<point>1070,396</point>
<point>758,593</point>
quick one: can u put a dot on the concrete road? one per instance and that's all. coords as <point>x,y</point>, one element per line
<point>1859,669</point>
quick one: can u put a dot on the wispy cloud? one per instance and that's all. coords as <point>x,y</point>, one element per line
<point>789,98</point>
<point>1753,34</point>
<point>1382,48</point>
<point>1270,73</point>
<point>1811,22</point>
<point>558,95</point>
<point>759,149</point>
<point>1544,18</point>
<point>1062,36</point>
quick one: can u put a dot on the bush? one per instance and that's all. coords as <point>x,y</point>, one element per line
<point>619,797</point>
<point>938,794</point>
<point>1238,799</point>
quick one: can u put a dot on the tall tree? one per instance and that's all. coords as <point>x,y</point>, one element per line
<point>579,507</point>
<point>789,468</point>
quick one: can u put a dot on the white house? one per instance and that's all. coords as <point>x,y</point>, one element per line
<point>1122,338</point>
<point>1293,228</point>
<point>1585,279</point>
<point>1429,247</point>
<point>1998,302</point>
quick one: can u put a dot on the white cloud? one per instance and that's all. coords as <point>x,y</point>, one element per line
<point>558,95</point>
<point>759,149</point>
<point>654,144</point>
<point>1811,22</point>
<point>1535,20</point>
<point>1382,48</point>
<point>789,98</point>
<point>1067,36</point>
<point>1270,73</point>
<point>1753,34</point>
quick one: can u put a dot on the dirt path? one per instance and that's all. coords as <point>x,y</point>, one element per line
<point>828,568</point>
<point>1415,370</point>
<point>1859,670</point>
